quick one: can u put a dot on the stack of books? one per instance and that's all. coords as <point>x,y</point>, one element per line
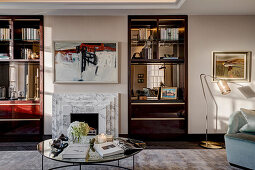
<point>76,151</point>
<point>4,56</point>
<point>30,34</point>
<point>5,34</point>
<point>108,149</point>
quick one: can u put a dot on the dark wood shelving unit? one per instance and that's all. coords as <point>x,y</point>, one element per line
<point>22,120</point>
<point>167,35</point>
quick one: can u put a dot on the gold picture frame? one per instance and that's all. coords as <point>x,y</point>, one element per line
<point>232,66</point>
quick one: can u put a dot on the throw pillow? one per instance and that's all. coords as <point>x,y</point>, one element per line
<point>249,116</point>
<point>236,121</point>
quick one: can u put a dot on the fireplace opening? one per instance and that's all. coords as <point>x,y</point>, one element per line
<point>90,118</point>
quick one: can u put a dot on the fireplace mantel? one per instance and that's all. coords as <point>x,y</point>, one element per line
<point>105,104</point>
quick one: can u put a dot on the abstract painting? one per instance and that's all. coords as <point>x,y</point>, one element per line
<point>232,66</point>
<point>85,62</point>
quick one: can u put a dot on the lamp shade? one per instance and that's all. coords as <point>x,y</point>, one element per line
<point>223,86</point>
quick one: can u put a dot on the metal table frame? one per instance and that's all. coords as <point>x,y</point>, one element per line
<point>80,164</point>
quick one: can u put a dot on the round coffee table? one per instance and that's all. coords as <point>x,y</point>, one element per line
<point>93,157</point>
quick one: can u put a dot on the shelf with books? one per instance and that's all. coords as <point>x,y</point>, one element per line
<point>21,70</point>
<point>133,61</point>
<point>157,67</point>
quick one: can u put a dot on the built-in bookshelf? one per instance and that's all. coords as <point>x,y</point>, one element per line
<point>21,77</point>
<point>157,60</point>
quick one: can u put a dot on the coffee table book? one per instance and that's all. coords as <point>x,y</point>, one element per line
<point>108,149</point>
<point>75,151</point>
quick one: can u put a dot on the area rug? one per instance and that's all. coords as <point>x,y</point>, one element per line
<point>149,159</point>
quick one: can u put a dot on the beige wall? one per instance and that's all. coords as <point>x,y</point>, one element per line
<point>206,34</point>
<point>99,28</point>
<point>216,33</point>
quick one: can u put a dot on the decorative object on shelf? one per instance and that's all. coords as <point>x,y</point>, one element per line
<point>232,66</point>
<point>77,132</point>
<point>14,95</point>
<point>136,56</point>
<point>169,93</point>
<point>2,93</point>
<point>21,95</point>
<point>86,62</point>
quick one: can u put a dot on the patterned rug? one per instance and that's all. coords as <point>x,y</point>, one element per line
<point>149,159</point>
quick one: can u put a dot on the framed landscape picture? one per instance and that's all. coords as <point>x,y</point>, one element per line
<point>85,62</point>
<point>169,93</point>
<point>232,66</point>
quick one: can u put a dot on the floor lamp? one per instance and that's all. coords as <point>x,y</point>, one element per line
<point>224,88</point>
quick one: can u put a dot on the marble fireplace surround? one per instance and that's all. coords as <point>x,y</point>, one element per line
<point>105,104</point>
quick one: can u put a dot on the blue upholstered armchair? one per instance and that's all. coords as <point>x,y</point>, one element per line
<point>240,147</point>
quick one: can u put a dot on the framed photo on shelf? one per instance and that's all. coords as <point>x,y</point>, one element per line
<point>85,62</point>
<point>140,76</point>
<point>232,66</point>
<point>169,93</point>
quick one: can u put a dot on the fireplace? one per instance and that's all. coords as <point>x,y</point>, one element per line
<point>106,105</point>
<point>90,118</point>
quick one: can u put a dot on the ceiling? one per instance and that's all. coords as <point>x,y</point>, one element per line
<point>188,7</point>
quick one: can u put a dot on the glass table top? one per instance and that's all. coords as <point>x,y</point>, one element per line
<point>44,148</point>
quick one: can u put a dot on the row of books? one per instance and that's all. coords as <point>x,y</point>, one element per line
<point>144,34</point>
<point>30,34</point>
<point>5,34</point>
<point>169,33</point>
<point>26,53</point>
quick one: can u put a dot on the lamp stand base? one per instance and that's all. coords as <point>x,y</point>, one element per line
<point>211,145</point>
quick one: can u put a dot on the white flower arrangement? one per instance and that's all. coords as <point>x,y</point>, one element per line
<point>77,130</point>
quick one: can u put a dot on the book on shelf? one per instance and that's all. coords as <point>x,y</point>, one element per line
<point>30,34</point>
<point>76,151</point>
<point>108,149</point>
<point>4,56</point>
<point>169,34</point>
<point>5,34</point>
